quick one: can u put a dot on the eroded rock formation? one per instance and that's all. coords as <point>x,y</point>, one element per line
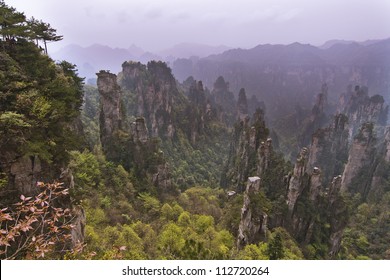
<point>297,180</point>
<point>155,90</point>
<point>250,152</point>
<point>110,110</point>
<point>329,148</point>
<point>356,176</point>
<point>360,108</point>
<point>130,143</point>
<point>253,222</point>
<point>242,105</point>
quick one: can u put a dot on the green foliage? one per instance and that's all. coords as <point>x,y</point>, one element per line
<point>14,26</point>
<point>151,205</point>
<point>14,130</point>
<point>367,233</point>
<point>200,163</point>
<point>283,246</point>
<point>171,241</point>
<point>254,252</point>
<point>43,105</point>
<point>275,249</point>
<point>200,200</point>
<point>232,214</point>
<point>259,204</point>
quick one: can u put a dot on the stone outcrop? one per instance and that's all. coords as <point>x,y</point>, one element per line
<point>138,130</point>
<point>155,91</point>
<point>329,148</point>
<point>129,143</point>
<point>338,216</point>
<point>357,172</point>
<point>26,172</point>
<point>197,94</point>
<point>253,223</point>
<point>198,112</point>
<point>224,101</point>
<point>250,152</point>
<point>242,105</point>
<point>317,119</point>
<point>110,111</point>
<point>381,167</point>
<point>162,179</point>
<point>79,222</point>
<point>360,108</point>
<point>297,180</point>
<point>264,154</point>
<point>387,145</point>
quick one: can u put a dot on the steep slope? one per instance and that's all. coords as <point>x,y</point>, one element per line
<point>39,123</point>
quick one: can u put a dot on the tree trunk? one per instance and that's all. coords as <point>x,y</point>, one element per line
<point>45,46</point>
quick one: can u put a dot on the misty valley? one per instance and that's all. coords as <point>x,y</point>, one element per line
<point>273,152</point>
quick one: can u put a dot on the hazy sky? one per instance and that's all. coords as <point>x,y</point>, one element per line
<point>155,25</point>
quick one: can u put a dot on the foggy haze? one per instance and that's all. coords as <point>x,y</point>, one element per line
<point>157,25</point>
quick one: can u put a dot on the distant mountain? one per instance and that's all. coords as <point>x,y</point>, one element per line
<point>186,50</point>
<point>272,54</point>
<point>94,58</point>
<point>282,75</point>
<point>90,60</point>
<point>331,43</point>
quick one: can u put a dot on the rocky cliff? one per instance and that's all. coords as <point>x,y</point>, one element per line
<point>250,152</point>
<point>155,91</point>
<point>359,168</point>
<point>329,148</point>
<point>224,101</point>
<point>110,112</point>
<point>129,143</point>
<point>242,105</point>
<point>317,118</point>
<point>253,222</point>
<point>304,198</point>
<point>361,108</point>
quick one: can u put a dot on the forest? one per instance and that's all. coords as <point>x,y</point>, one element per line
<point>142,166</point>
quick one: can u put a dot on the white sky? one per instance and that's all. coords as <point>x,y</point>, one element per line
<point>155,25</point>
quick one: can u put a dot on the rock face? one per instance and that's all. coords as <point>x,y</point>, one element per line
<point>377,175</point>
<point>224,101</point>
<point>129,143</point>
<point>317,119</point>
<point>198,111</point>
<point>311,205</point>
<point>360,161</point>
<point>162,178</point>
<point>253,223</point>
<point>110,96</point>
<point>139,131</point>
<point>360,108</point>
<point>26,170</point>
<point>78,230</point>
<point>338,214</point>
<point>155,91</point>
<point>329,148</point>
<point>110,109</point>
<point>297,180</point>
<point>242,105</point>
<point>387,145</point>
<point>250,152</point>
